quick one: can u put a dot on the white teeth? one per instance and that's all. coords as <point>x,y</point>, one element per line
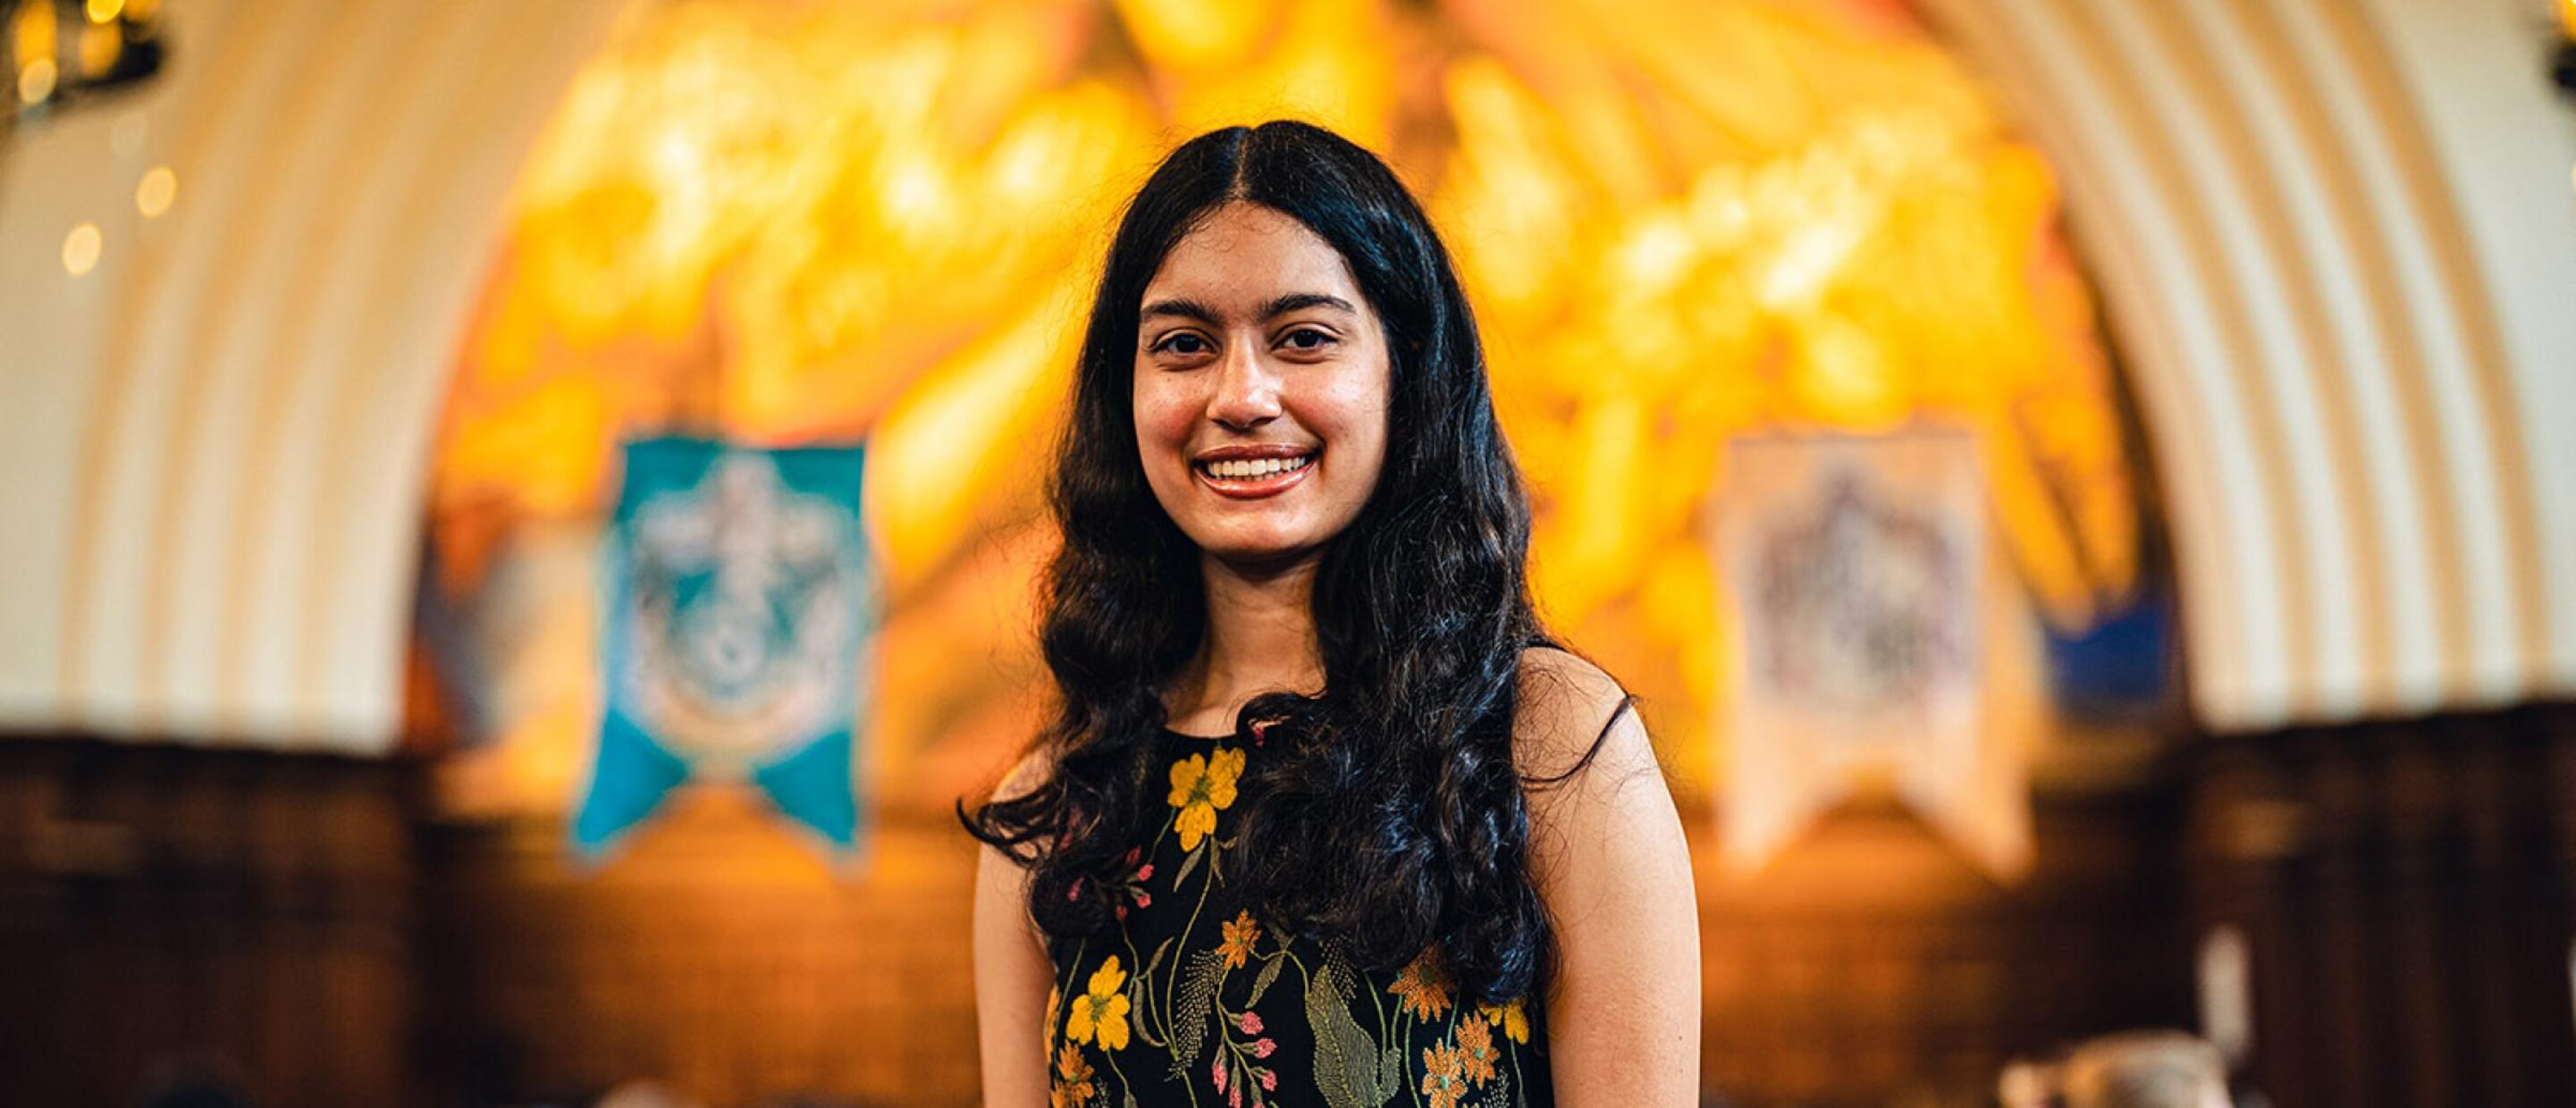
<point>1251,468</point>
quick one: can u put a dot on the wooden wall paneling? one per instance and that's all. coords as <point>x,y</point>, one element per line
<point>714,951</point>
<point>1869,964</point>
<point>2408,889</point>
<point>2425,903</point>
<point>247,911</point>
<point>2405,887</point>
<point>2556,732</point>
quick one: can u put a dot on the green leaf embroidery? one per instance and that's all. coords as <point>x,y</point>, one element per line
<point>1269,973</point>
<point>1198,997</point>
<point>1347,1067</point>
<point>1157,960</point>
<point>1139,1000</point>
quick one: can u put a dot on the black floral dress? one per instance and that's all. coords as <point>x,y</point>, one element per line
<point>1197,1001</point>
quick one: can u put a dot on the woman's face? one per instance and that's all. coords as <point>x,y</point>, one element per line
<point>1260,388</point>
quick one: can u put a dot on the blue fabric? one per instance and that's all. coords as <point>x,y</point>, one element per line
<point>813,787</point>
<point>2122,665</point>
<point>629,780</point>
<point>739,602</point>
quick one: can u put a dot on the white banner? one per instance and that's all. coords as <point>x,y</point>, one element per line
<point>1856,568</point>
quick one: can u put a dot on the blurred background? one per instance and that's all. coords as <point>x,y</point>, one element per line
<point>523,517</point>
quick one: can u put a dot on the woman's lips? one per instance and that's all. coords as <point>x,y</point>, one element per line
<point>1250,475</point>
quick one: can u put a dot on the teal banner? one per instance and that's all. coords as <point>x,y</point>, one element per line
<point>740,605</point>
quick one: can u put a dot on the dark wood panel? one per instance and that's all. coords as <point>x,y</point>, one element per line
<point>250,915</point>
<point>2404,887</point>
<point>304,924</point>
<point>1871,965</point>
<point>715,952</point>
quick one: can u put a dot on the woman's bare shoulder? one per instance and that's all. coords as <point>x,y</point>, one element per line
<point>1570,711</point>
<point>1025,775</point>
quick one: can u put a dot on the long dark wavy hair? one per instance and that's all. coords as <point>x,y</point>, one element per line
<point>1387,812</point>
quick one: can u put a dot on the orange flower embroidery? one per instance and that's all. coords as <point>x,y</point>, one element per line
<point>1072,1086</point>
<point>1240,933</point>
<point>1443,1077</point>
<point>1513,1017</point>
<point>1423,984</point>
<point>1476,1054</point>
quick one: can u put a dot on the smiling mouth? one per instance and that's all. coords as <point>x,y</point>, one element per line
<point>1253,469</point>
<point>1247,478</point>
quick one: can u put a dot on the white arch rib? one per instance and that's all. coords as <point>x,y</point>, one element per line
<point>262,367</point>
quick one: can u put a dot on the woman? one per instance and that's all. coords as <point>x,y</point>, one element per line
<point>1320,818</point>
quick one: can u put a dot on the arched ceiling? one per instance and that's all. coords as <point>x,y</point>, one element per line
<point>229,418</point>
<point>2326,287</point>
<point>2348,390</point>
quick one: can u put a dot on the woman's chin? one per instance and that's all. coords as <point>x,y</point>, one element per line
<point>1261,556</point>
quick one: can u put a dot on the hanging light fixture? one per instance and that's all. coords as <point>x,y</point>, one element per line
<point>2562,46</point>
<point>64,52</point>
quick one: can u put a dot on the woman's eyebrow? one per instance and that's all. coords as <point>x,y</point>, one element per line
<point>1185,309</point>
<point>1298,301</point>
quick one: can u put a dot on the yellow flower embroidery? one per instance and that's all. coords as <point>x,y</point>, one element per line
<point>1101,1011</point>
<point>1513,1017</point>
<point>1423,984</point>
<point>1240,933</point>
<point>1201,787</point>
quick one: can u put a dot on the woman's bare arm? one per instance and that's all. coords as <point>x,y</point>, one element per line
<point>1012,975</point>
<point>1610,861</point>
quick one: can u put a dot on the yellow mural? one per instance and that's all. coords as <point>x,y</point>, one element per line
<point>792,222</point>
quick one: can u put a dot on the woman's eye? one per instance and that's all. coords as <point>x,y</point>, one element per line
<point>1183,343</point>
<point>1306,338</point>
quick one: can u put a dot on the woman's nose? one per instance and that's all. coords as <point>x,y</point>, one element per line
<point>1247,388</point>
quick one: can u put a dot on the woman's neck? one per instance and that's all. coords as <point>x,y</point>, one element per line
<point>1260,639</point>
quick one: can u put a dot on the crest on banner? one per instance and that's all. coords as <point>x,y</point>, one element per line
<point>741,600</point>
<point>1856,570</point>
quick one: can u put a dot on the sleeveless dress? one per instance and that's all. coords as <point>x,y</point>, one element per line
<point>1195,1000</point>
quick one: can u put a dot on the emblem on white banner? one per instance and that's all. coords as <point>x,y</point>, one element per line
<point>1856,568</point>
